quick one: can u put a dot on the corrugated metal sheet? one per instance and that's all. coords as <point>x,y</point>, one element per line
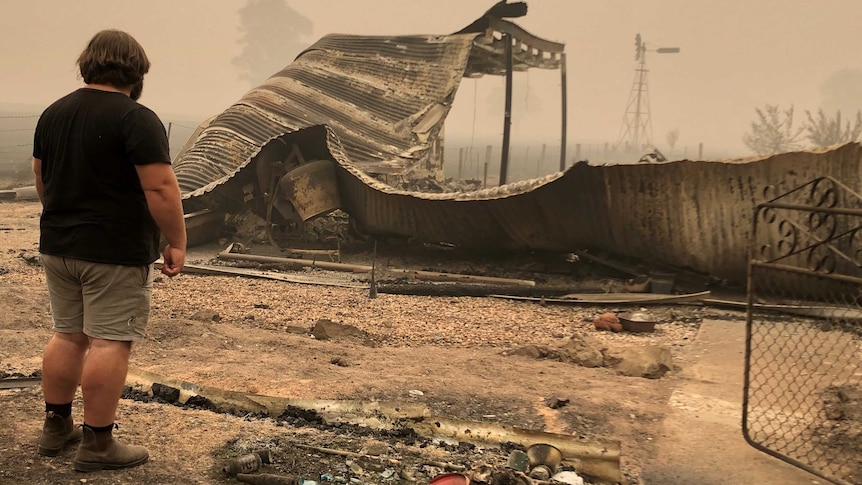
<point>371,91</point>
<point>386,98</point>
<point>686,213</point>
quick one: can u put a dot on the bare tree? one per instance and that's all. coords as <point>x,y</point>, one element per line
<point>272,35</point>
<point>824,131</point>
<point>773,131</point>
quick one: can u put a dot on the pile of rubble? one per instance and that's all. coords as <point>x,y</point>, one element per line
<point>537,464</point>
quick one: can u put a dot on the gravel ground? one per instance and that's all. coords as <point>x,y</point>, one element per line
<point>452,348</point>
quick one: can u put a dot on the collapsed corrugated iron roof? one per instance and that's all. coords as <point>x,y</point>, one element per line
<point>385,98</point>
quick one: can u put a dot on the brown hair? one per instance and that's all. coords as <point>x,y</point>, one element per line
<point>114,58</point>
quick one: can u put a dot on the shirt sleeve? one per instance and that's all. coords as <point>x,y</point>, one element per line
<point>146,139</point>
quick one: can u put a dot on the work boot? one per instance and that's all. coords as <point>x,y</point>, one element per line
<point>57,432</point>
<point>99,451</point>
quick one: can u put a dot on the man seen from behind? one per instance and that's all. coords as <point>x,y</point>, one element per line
<point>108,192</point>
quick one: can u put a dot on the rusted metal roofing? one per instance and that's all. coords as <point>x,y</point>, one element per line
<point>692,214</point>
<point>386,98</point>
<point>529,51</point>
<point>374,92</point>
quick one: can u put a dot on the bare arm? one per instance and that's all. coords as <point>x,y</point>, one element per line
<point>165,204</point>
<point>40,188</point>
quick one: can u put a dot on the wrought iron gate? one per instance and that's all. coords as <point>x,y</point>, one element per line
<point>803,362</point>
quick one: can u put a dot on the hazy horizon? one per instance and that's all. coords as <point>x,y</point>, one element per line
<point>735,56</point>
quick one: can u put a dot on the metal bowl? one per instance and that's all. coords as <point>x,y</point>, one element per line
<point>637,321</point>
<point>544,454</point>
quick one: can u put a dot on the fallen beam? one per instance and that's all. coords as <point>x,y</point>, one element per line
<point>361,268</point>
<point>19,382</point>
<point>615,298</point>
<point>351,268</point>
<point>267,275</point>
<point>462,278</point>
<point>332,254</point>
<point>467,289</point>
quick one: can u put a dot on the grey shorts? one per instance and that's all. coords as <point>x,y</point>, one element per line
<point>104,301</point>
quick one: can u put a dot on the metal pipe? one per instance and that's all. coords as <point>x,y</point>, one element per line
<point>564,110</point>
<point>507,119</point>
<point>487,162</point>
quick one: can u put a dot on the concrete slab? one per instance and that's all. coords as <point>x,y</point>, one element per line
<point>701,440</point>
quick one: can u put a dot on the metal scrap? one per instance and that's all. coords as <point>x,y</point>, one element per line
<point>615,298</point>
<point>328,280</point>
<point>19,382</point>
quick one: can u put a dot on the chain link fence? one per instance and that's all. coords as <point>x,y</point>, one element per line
<point>803,368</point>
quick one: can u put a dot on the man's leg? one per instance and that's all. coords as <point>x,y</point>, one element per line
<point>63,357</point>
<point>116,310</point>
<point>103,379</point>
<point>61,371</point>
<point>62,363</point>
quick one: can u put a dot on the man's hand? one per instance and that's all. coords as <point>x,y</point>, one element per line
<point>173,260</point>
<point>165,204</point>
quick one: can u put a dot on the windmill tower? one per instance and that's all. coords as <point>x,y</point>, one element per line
<point>636,129</point>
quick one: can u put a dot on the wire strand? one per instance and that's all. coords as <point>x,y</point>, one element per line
<point>182,126</point>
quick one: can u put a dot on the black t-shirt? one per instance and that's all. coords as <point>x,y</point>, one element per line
<point>94,207</point>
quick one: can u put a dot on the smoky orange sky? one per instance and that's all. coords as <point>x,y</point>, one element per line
<point>735,56</point>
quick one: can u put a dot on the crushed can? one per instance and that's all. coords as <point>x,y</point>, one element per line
<point>242,464</point>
